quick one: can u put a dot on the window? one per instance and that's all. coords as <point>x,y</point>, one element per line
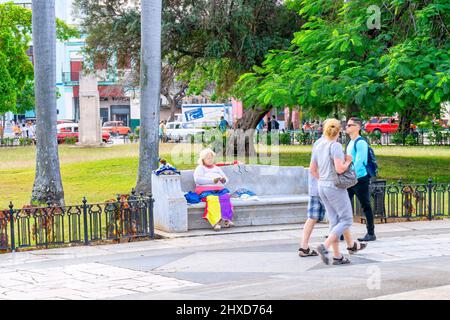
<point>177,126</point>
<point>374,120</point>
<point>385,120</point>
<point>188,126</point>
<point>109,124</point>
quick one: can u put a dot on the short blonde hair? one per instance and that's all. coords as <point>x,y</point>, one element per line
<point>331,128</point>
<point>204,154</point>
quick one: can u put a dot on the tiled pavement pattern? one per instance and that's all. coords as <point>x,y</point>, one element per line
<point>243,263</point>
<point>82,281</point>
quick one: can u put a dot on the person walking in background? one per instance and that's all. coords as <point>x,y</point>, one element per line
<point>30,130</point>
<point>160,131</point>
<point>260,126</point>
<point>359,149</point>
<point>275,123</point>
<point>24,131</point>
<point>165,131</point>
<point>223,124</point>
<point>327,160</point>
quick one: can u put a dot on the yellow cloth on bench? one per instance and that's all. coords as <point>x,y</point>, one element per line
<point>214,212</point>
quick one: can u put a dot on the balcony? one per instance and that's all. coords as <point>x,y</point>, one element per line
<point>71,78</point>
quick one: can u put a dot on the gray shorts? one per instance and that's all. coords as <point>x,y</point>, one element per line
<point>338,207</point>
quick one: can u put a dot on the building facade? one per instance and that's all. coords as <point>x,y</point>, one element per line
<point>116,102</point>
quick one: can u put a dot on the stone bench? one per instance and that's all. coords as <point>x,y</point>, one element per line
<point>283,194</point>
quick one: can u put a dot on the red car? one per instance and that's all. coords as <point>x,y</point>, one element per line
<point>382,125</point>
<point>116,128</point>
<point>66,130</point>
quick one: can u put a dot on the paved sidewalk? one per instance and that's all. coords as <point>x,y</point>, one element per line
<point>410,260</point>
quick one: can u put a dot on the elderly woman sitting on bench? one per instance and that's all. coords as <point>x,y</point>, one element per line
<point>210,183</point>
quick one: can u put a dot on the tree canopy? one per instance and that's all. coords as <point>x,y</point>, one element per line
<point>16,69</point>
<point>337,63</point>
<point>204,41</point>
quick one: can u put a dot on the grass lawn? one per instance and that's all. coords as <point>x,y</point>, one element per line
<point>99,174</point>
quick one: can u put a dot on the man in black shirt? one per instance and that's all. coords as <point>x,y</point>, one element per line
<point>273,124</point>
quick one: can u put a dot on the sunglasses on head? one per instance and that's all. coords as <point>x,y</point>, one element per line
<point>351,125</point>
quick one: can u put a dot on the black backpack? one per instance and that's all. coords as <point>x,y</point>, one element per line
<point>371,165</point>
<point>276,125</point>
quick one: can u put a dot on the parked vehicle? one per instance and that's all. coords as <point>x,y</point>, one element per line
<point>116,128</point>
<point>177,131</point>
<point>64,121</point>
<point>382,125</point>
<point>206,115</point>
<point>69,130</point>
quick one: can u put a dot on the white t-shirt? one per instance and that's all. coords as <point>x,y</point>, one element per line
<point>204,176</point>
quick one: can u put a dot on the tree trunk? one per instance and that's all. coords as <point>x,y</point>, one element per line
<point>47,183</point>
<point>2,132</point>
<point>173,109</point>
<point>150,92</point>
<point>352,110</point>
<point>289,120</point>
<point>240,138</point>
<point>405,122</point>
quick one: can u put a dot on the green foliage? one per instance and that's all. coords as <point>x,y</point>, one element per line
<point>133,137</point>
<point>25,141</point>
<point>410,140</point>
<point>25,98</point>
<point>304,138</point>
<point>375,137</point>
<point>337,63</point>
<point>7,142</point>
<point>285,138</point>
<point>205,41</point>
<point>16,69</point>
<point>424,125</point>
<point>397,138</point>
<point>70,140</point>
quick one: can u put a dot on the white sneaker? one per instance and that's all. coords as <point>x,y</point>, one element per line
<point>217,227</point>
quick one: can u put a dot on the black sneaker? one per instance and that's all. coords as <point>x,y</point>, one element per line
<point>368,237</point>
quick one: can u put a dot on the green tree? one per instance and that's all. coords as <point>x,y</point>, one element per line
<point>204,41</point>
<point>337,63</point>
<point>16,69</point>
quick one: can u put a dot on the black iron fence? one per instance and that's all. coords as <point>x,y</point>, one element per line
<point>126,217</point>
<point>407,201</point>
<point>421,137</point>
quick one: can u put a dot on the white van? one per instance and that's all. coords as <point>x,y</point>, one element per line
<point>178,131</point>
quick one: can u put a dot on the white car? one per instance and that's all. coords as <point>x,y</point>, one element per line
<point>178,131</point>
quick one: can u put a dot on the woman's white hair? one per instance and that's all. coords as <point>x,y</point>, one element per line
<point>204,154</point>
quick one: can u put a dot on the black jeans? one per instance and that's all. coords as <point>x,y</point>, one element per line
<point>361,190</point>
